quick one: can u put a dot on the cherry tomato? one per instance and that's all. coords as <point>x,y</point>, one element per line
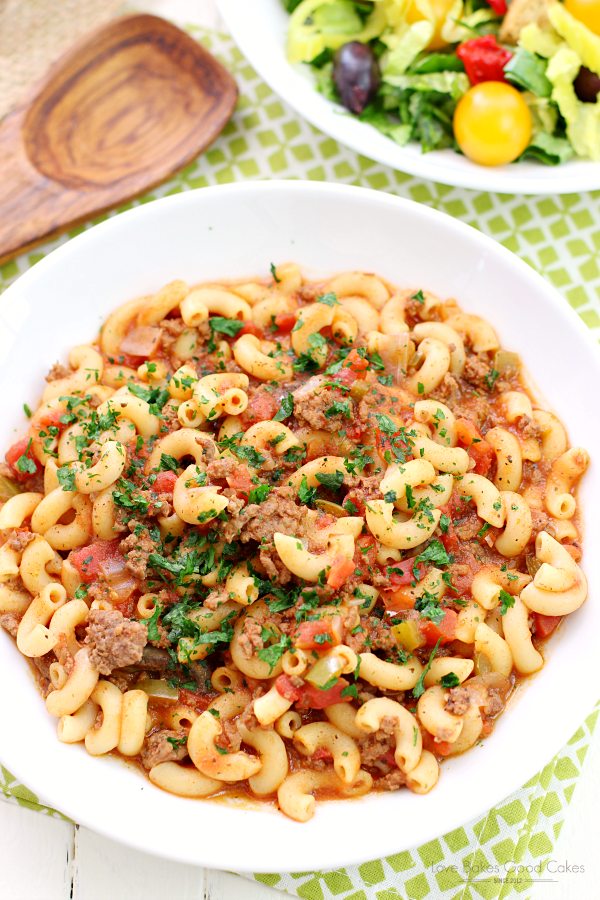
<point>492,123</point>
<point>440,9</point>
<point>587,11</point>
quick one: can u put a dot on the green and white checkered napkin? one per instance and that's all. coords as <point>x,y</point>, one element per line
<point>560,237</point>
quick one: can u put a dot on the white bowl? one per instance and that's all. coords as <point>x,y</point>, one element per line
<point>260,29</point>
<point>232,232</point>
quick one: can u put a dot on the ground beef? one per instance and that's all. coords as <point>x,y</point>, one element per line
<point>10,622</point>
<point>310,409</point>
<point>468,527</point>
<point>534,472</point>
<point>250,639</point>
<point>477,409</point>
<point>219,469</point>
<point>529,428</point>
<point>489,698</point>
<point>169,418</point>
<point>374,746</point>
<point>259,521</point>
<point>113,640</point>
<point>374,636</point>
<point>158,504</point>
<point>216,598</point>
<point>231,735</point>
<point>393,781</point>
<point>477,369</point>
<point>447,390</point>
<point>235,504</point>
<point>539,522</point>
<point>19,539</point>
<point>58,371</point>
<point>158,749</point>
<point>137,549</point>
<point>273,567</point>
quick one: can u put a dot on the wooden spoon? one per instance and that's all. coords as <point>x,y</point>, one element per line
<point>131,103</point>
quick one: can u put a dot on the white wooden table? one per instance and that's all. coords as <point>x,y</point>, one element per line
<point>47,859</point>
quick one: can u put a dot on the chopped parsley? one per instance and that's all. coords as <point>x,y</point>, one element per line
<point>274,273</point>
<point>491,378</point>
<point>25,464</point>
<point>507,601</point>
<point>222,325</point>
<point>286,409</point>
<point>328,300</point>
<point>419,688</point>
<point>66,478</point>
<point>167,463</point>
<point>258,494</point>
<point>332,481</point>
<point>450,680</point>
<point>306,494</point>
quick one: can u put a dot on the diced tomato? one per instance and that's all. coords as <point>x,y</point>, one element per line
<point>240,481</point>
<point>383,442</point>
<point>478,449</point>
<point>573,551</point>
<point>286,689</point>
<point>313,698</point>
<point>365,555</point>
<point>324,521</point>
<point>444,632</point>
<point>99,558</point>
<point>133,452</point>
<point>194,700</point>
<point>251,328</point>
<point>439,748</point>
<point>355,498</point>
<point>449,538</point>
<point>262,406</point>
<point>345,378</point>
<point>305,637</point>
<point>322,753</point>
<point>165,482</point>
<point>285,322</point>
<point>388,757</point>
<point>399,600</point>
<point>14,454</point>
<point>340,571</point>
<point>545,625</point>
<point>401,573</point>
<point>354,432</point>
<point>355,362</point>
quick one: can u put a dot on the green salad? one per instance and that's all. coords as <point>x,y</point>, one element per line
<point>496,83</point>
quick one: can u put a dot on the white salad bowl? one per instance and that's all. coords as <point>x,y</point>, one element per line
<point>236,231</point>
<point>260,30</point>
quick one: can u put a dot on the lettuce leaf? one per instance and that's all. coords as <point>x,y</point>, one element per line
<point>525,70</point>
<point>584,42</point>
<point>548,149</point>
<point>413,41</point>
<point>583,119</point>
<point>545,42</point>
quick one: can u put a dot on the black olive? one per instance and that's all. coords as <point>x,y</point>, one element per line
<point>587,85</point>
<point>356,75</point>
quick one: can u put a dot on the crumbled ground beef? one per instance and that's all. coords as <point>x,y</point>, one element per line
<point>529,428</point>
<point>539,522</point>
<point>312,409</point>
<point>447,390</point>
<point>219,469</point>
<point>393,781</point>
<point>113,640</point>
<point>477,409</point>
<point>375,635</point>
<point>158,749</point>
<point>250,640</point>
<point>259,521</point>
<point>58,371</point>
<point>19,539</point>
<point>477,369</point>
<point>136,549</point>
<point>10,622</point>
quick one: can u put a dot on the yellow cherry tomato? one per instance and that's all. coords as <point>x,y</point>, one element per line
<point>492,123</point>
<point>440,9</point>
<point>587,11</point>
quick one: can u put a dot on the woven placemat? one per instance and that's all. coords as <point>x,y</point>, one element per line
<point>503,853</point>
<point>34,33</point>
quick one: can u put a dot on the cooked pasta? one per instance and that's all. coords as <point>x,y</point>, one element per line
<point>295,539</point>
